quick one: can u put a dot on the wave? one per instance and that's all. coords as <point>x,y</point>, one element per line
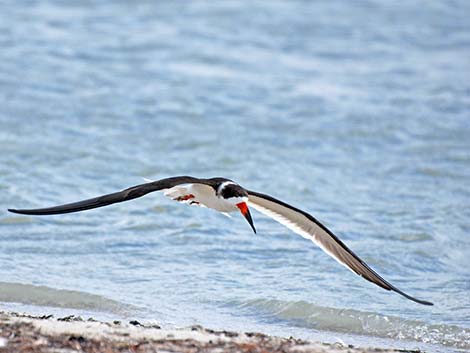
<point>304,314</point>
<point>61,298</point>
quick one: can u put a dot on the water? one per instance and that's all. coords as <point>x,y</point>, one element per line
<point>357,112</point>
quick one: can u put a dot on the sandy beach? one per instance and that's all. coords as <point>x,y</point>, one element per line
<point>26,333</point>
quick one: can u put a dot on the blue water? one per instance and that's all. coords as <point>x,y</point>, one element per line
<point>357,112</point>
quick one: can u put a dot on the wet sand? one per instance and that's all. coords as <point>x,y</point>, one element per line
<point>26,333</point>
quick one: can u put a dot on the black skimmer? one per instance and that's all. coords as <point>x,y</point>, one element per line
<point>226,196</point>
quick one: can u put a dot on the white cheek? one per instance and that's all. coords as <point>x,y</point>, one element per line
<point>236,200</point>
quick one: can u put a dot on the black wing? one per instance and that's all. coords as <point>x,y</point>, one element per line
<point>120,196</point>
<point>309,227</point>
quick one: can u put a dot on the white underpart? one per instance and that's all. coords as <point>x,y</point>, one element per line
<point>177,191</point>
<point>204,195</point>
<point>301,225</point>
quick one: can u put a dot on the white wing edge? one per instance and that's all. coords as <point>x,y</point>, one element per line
<point>295,228</point>
<point>321,236</point>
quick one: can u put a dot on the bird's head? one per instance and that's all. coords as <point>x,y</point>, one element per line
<point>238,196</point>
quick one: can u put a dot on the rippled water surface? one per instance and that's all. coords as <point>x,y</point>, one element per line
<point>357,112</point>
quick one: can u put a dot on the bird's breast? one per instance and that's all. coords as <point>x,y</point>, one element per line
<point>199,195</point>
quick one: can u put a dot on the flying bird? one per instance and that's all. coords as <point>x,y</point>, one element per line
<point>226,196</point>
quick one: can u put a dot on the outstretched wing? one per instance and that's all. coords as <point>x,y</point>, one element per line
<point>310,228</point>
<point>105,200</point>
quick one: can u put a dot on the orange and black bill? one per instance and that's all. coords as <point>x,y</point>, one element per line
<point>246,213</point>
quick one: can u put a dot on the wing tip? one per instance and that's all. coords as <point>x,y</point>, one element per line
<point>423,302</point>
<point>407,296</point>
<point>24,212</point>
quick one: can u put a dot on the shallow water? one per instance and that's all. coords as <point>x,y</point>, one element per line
<point>358,113</point>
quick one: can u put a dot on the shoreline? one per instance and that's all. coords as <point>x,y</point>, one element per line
<point>46,334</point>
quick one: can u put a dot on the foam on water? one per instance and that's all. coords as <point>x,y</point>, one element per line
<point>304,314</point>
